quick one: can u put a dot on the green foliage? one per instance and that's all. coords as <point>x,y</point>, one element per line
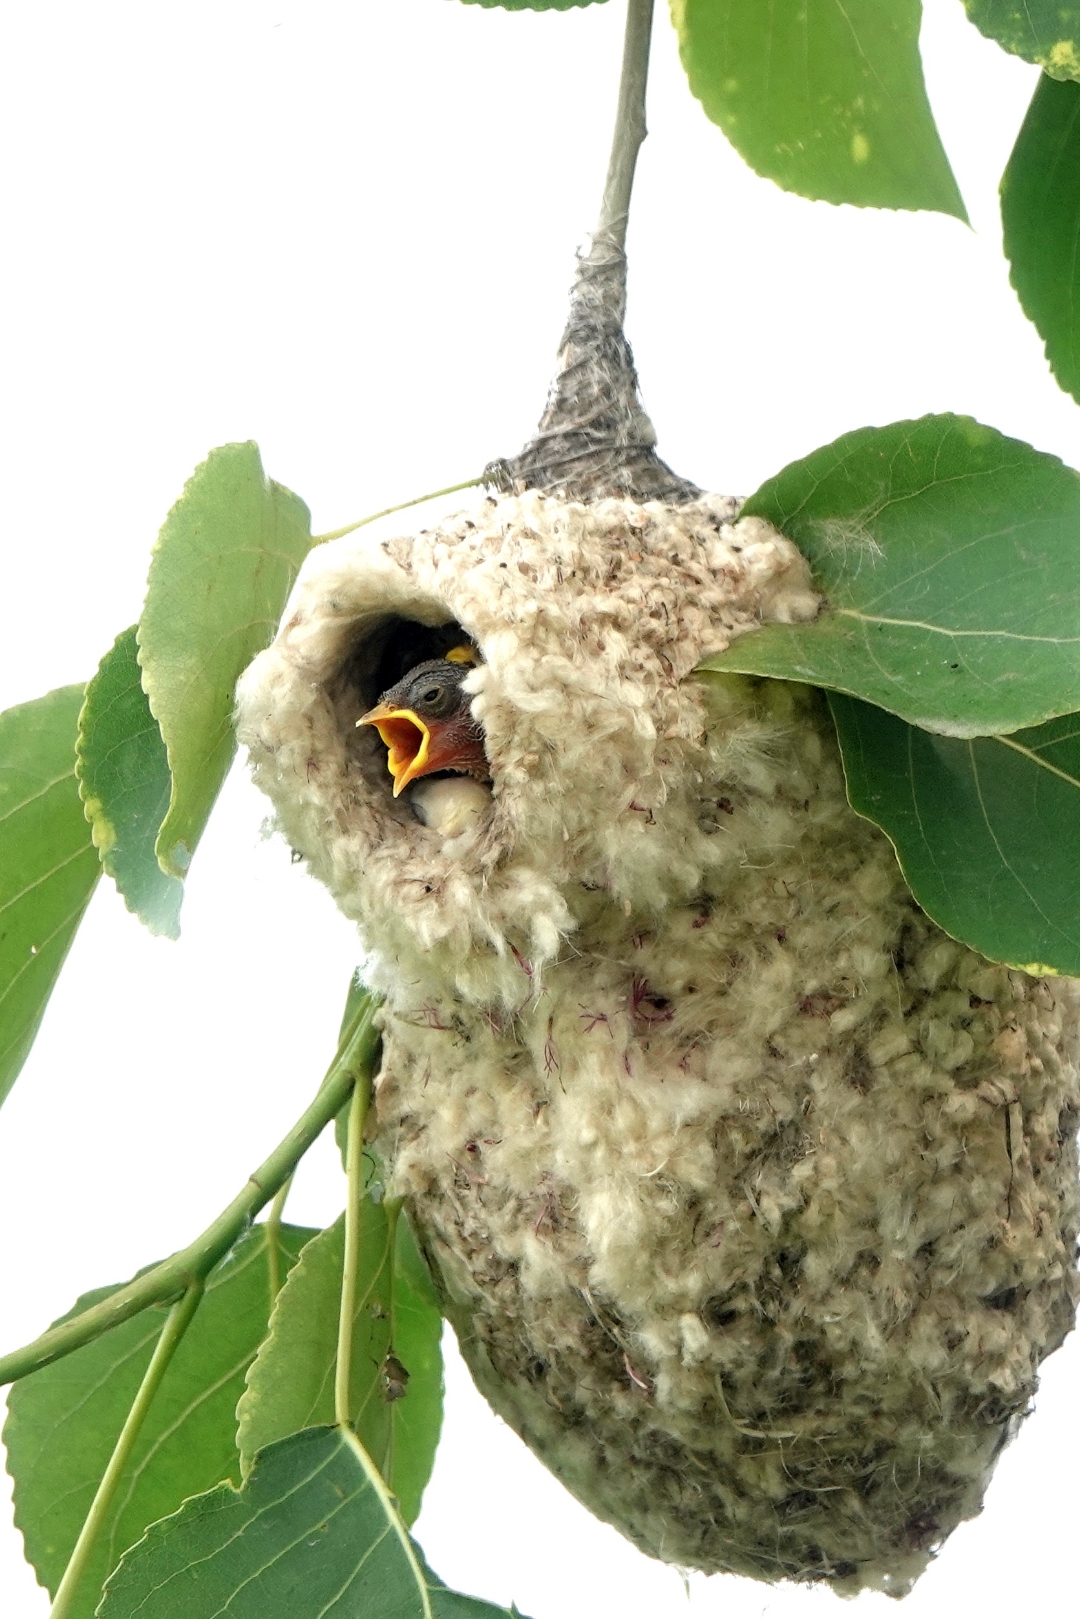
<point>312,1533</point>
<point>1046,32</point>
<point>291,1381</point>
<point>64,1420</point>
<point>949,557</point>
<point>221,571</point>
<point>826,97</point>
<point>985,828</point>
<point>48,867</point>
<point>124,776</point>
<point>357,1004</point>
<point>532,5</point>
<point>1040,213</point>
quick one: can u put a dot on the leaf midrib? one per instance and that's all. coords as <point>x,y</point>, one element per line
<point>941,629</point>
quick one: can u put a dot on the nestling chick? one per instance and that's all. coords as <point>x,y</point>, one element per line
<point>426,722</point>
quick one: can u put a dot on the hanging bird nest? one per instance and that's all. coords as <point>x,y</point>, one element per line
<point>752,1196</point>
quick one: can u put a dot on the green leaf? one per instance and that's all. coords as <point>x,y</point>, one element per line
<point>985,829</point>
<point>64,1420</point>
<point>221,572</point>
<point>312,1535</point>
<point>357,1001</point>
<point>1046,32</point>
<point>124,777</point>
<point>1040,213</point>
<point>48,867</point>
<point>532,5</point>
<point>950,560</point>
<point>826,97</point>
<point>291,1381</point>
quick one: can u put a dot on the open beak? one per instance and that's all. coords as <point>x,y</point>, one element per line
<point>407,739</point>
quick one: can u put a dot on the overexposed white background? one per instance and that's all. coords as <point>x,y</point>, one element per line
<point>346,229</point>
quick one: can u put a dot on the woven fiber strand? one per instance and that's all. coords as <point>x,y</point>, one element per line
<point>752,1195</point>
<point>595,437</point>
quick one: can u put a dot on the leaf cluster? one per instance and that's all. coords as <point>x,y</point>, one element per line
<point>125,1413</point>
<point>949,561</point>
<point>827,99</point>
<point>249,1479</point>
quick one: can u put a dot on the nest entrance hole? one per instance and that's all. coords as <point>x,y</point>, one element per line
<point>384,653</point>
<point>388,649</point>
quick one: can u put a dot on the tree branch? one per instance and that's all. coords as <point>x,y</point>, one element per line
<point>630,129</point>
<point>354,1061</point>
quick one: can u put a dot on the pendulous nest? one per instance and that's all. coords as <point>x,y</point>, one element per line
<point>752,1196</point>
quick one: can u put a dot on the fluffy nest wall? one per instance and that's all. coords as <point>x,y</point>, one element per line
<point>752,1195</point>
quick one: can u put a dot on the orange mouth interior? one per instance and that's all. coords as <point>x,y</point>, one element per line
<point>408,742</point>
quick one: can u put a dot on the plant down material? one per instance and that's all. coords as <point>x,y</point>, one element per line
<point>752,1196</point>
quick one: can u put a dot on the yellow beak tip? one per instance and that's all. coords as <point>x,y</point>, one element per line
<point>405,759</point>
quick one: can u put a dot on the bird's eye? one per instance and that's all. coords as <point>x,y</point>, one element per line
<point>435,698</point>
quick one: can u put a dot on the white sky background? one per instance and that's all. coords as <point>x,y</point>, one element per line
<point>346,229</point>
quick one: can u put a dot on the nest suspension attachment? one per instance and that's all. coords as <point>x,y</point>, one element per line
<point>595,437</point>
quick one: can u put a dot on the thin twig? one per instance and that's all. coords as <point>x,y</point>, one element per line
<point>355,1059</point>
<point>436,494</point>
<point>179,1320</point>
<point>630,129</point>
<point>595,438</point>
<point>393,1207</point>
<point>274,1267</point>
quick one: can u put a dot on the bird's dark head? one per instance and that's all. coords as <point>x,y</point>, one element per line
<point>426,722</point>
<point>432,689</point>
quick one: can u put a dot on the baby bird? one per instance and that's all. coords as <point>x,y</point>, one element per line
<point>426,722</point>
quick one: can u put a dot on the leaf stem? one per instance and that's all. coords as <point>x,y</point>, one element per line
<point>451,489</point>
<point>393,1516</point>
<point>354,1060</point>
<point>273,1239</point>
<point>354,1163</point>
<point>179,1320</point>
<point>630,128</point>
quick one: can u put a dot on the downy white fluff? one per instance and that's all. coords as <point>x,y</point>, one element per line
<point>751,1194</point>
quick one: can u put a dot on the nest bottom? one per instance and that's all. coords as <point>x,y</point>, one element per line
<point>798,1352</point>
<point>859,1503</point>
